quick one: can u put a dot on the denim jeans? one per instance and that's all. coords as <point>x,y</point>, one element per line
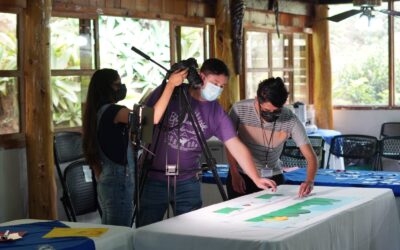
<point>115,189</point>
<point>154,199</point>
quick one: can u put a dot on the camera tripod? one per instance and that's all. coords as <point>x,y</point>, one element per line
<point>182,92</point>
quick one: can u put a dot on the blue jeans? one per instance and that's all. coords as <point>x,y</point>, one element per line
<point>154,199</point>
<point>115,188</point>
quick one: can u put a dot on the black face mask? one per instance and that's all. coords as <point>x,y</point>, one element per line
<point>120,94</point>
<point>270,116</point>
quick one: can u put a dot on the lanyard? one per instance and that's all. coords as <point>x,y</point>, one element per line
<point>265,139</point>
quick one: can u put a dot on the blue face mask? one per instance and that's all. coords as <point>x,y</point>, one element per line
<point>211,92</point>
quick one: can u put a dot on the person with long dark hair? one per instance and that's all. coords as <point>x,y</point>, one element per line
<point>106,144</point>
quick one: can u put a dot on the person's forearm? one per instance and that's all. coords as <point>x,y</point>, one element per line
<point>232,162</point>
<point>311,158</point>
<point>311,170</point>
<point>162,103</point>
<point>243,157</point>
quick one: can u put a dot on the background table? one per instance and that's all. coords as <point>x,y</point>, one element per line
<point>328,134</point>
<point>349,178</point>
<point>116,237</point>
<point>366,219</point>
<point>209,190</point>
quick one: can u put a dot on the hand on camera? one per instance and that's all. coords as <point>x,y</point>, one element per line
<point>177,77</point>
<point>265,183</point>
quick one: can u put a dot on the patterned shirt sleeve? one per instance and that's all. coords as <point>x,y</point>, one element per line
<point>299,134</point>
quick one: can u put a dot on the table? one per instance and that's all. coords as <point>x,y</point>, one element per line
<point>209,189</point>
<point>328,134</point>
<point>331,218</point>
<point>348,178</point>
<point>117,237</point>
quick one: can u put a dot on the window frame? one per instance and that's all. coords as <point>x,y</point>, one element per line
<point>391,105</point>
<point>16,140</point>
<point>270,70</point>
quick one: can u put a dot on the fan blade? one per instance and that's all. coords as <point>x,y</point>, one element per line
<point>390,12</point>
<point>344,15</point>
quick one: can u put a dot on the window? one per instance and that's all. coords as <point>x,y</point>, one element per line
<point>359,53</point>
<point>72,64</point>
<point>9,75</point>
<point>267,55</point>
<point>118,35</point>
<point>192,42</point>
<point>397,54</point>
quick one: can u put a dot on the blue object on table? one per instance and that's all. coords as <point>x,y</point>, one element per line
<point>33,238</point>
<point>348,178</point>
<point>327,134</point>
<point>222,169</point>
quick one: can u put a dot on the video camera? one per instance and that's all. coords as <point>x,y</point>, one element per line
<point>193,77</point>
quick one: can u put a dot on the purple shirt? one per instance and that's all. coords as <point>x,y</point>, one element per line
<point>213,122</point>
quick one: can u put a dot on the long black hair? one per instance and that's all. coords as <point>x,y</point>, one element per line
<point>100,92</point>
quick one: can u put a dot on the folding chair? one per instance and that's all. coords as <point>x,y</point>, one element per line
<point>358,151</point>
<point>77,180</point>
<point>390,129</point>
<point>292,157</point>
<point>389,147</point>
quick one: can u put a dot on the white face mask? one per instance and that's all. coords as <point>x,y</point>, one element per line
<point>211,92</point>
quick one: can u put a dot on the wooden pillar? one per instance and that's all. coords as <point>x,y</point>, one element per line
<point>322,78</point>
<point>231,93</point>
<point>39,131</point>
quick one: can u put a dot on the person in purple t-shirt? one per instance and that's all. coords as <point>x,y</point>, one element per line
<point>180,146</point>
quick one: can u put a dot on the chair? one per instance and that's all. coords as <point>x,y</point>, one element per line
<point>292,157</point>
<point>359,151</point>
<point>389,147</point>
<point>77,181</point>
<point>390,129</point>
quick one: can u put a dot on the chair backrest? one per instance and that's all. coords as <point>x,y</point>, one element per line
<point>81,186</point>
<point>292,157</point>
<point>354,146</point>
<point>390,147</point>
<point>390,129</point>
<point>67,147</point>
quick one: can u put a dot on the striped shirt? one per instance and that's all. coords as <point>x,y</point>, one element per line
<point>256,133</point>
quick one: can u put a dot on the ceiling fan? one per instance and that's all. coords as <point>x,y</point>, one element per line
<point>367,7</point>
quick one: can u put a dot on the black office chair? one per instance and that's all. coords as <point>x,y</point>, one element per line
<point>77,180</point>
<point>292,157</point>
<point>390,129</point>
<point>358,151</point>
<point>389,147</point>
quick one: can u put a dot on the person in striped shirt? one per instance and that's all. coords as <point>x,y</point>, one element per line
<point>263,124</point>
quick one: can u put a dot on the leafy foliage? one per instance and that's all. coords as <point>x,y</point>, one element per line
<point>118,35</point>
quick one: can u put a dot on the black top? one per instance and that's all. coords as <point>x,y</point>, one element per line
<point>113,137</point>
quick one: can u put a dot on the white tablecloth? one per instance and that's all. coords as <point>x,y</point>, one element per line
<point>116,237</point>
<point>358,219</point>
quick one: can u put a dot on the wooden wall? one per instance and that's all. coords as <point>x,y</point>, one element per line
<point>165,9</point>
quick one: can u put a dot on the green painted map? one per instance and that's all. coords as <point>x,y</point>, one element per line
<point>294,210</point>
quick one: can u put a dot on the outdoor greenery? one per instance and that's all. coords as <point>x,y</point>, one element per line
<point>118,35</point>
<point>359,53</point>
<point>9,109</point>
